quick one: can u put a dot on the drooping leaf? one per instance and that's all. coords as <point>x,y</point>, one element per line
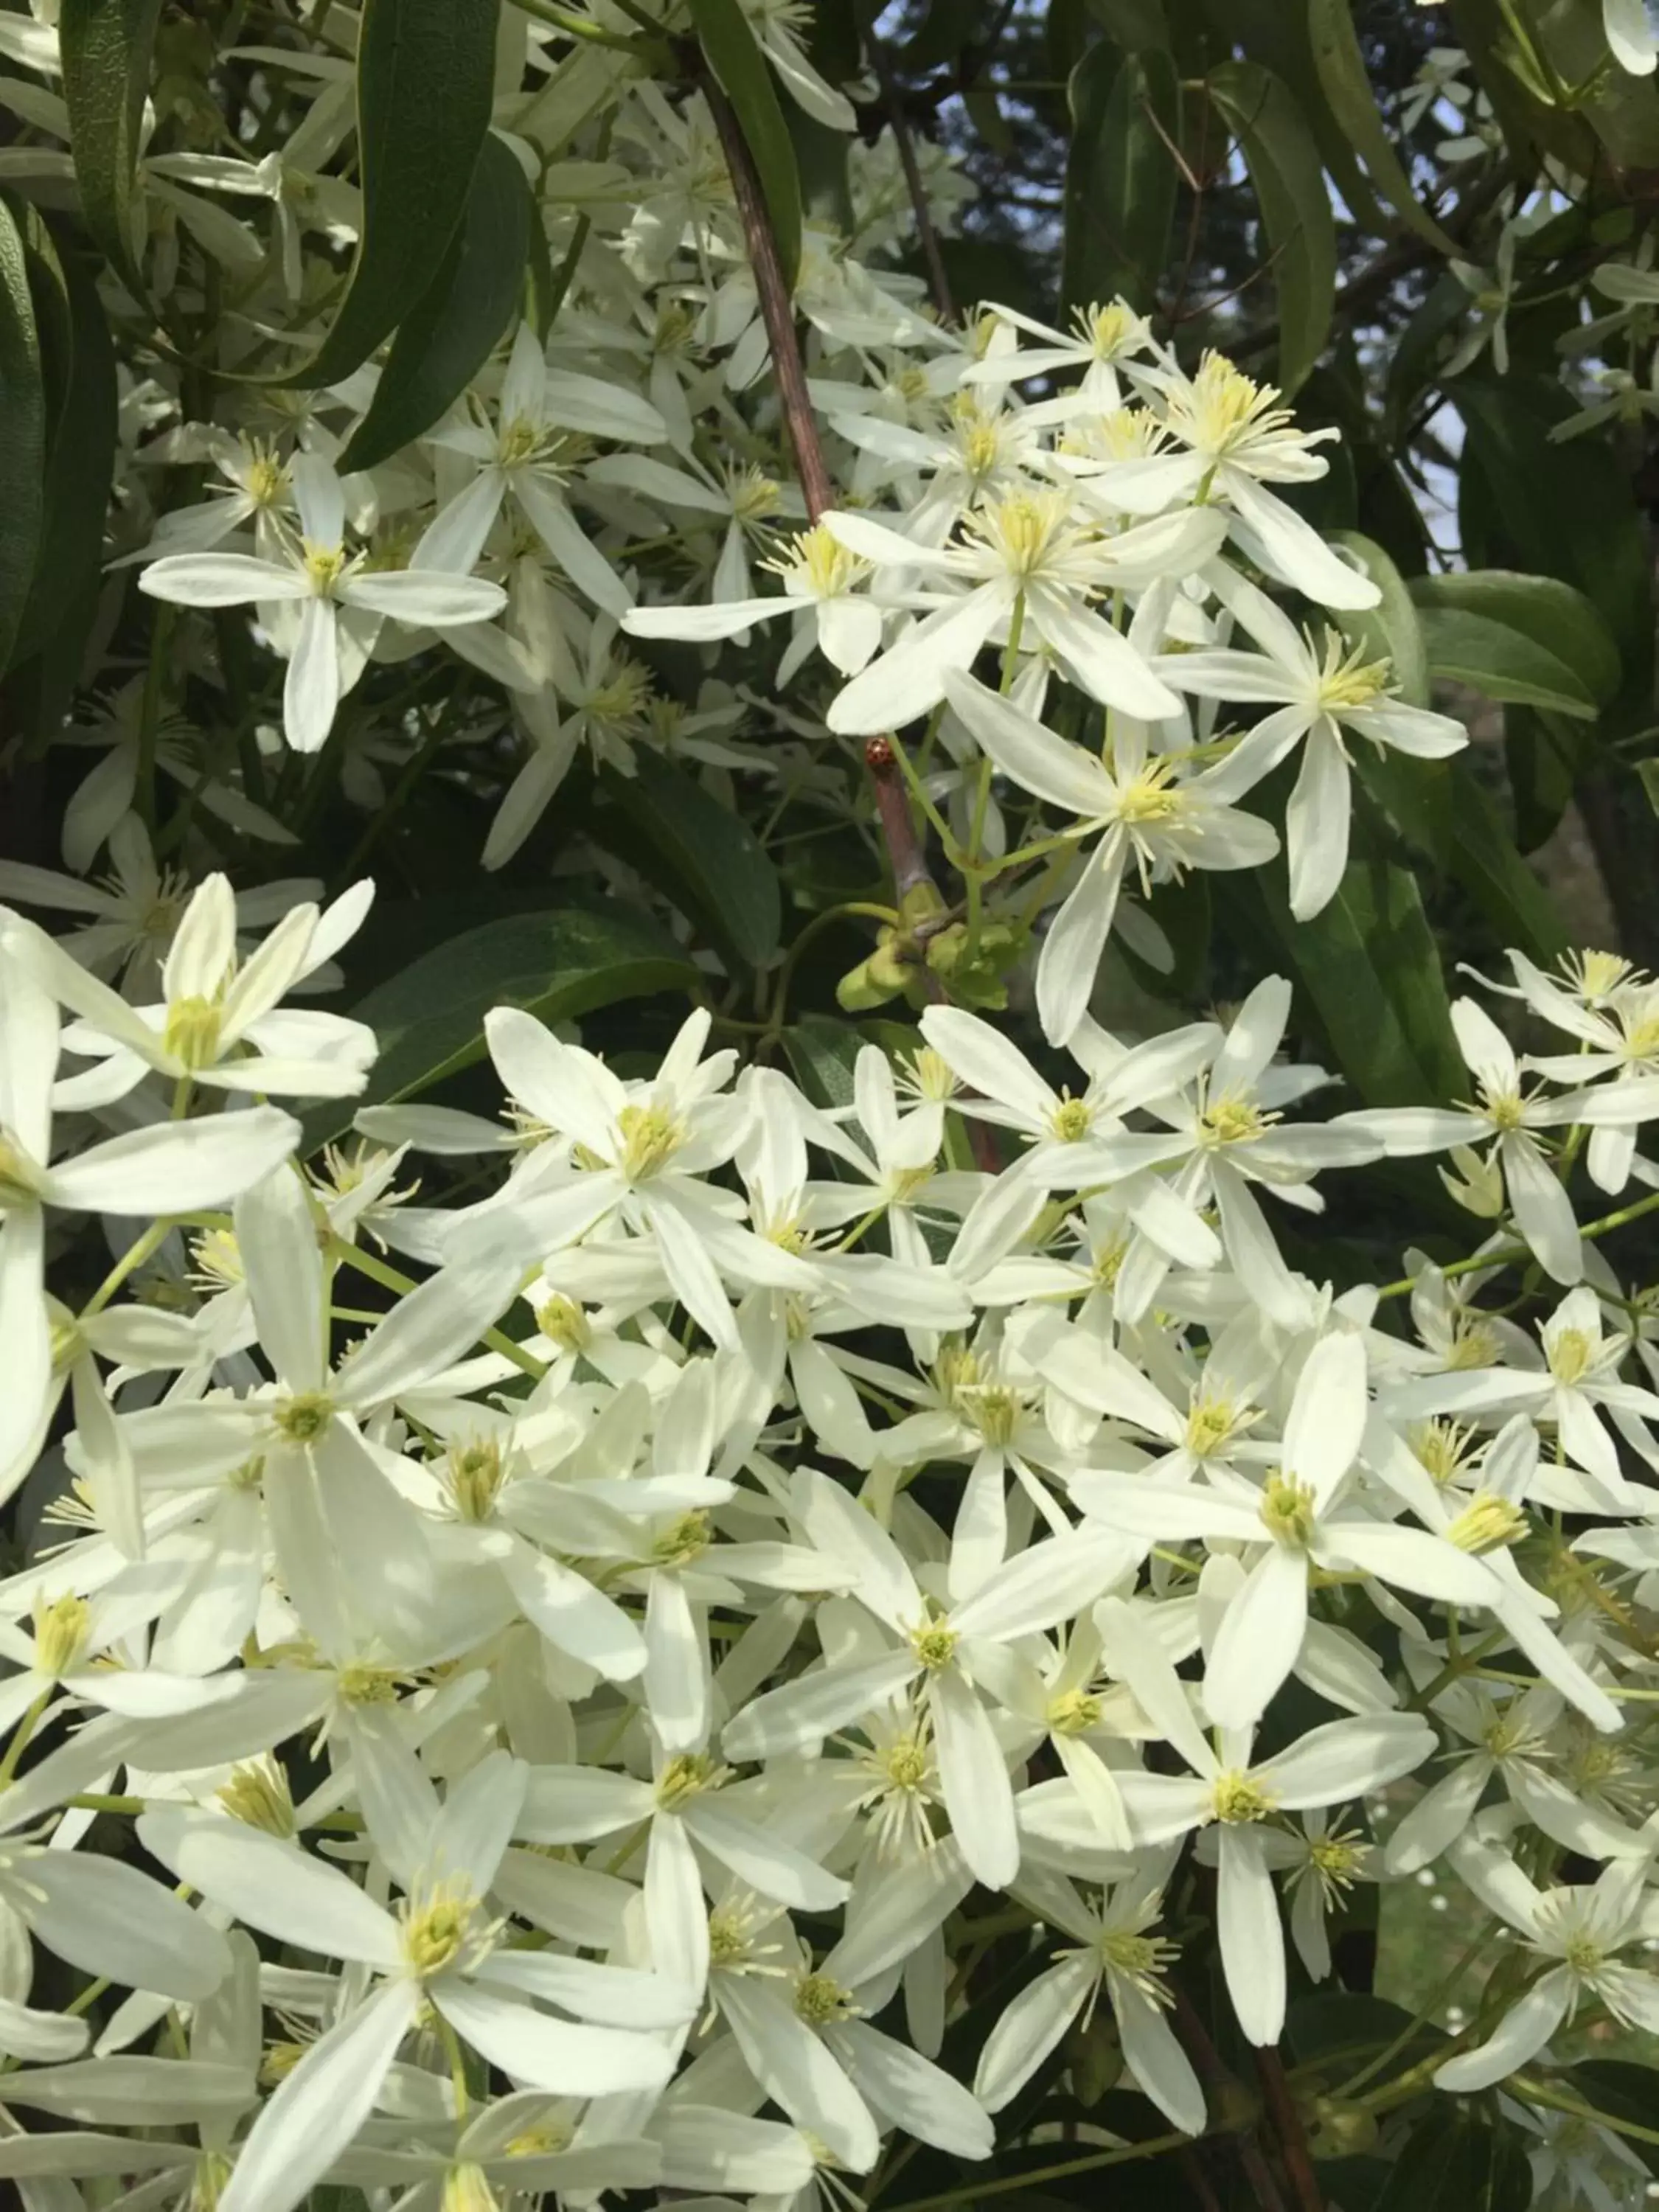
<point>739,68</point>
<point>556,965</point>
<point>1279,36</point>
<point>1121,175</point>
<point>80,461</point>
<point>1372,971</point>
<point>1554,615</point>
<point>1297,223</point>
<point>1546,754</point>
<point>444,341</point>
<point>1504,663</point>
<point>425,87</point>
<point>105,47</point>
<point>22,431</point>
<point>1133,24</point>
<point>713,865</point>
<point>1484,858</point>
<point>1528,504</point>
<point>1624,2090</point>
<point>1342,72</point>
<point>1461,2158</point>
<point>822,1052</point>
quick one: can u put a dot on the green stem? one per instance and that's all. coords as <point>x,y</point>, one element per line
<point>392,1279</point>
<point>1506,1254</point>
<point>976,2192</point>
<point>149,716</point>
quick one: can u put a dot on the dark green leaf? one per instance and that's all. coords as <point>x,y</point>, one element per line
<point>1344,2029</point>
<point>80,461</point>
<point>106,46</point>
<point>948,28</point>
<point>425,87</point>
<point>1501,662</point>
<point>822,1053</point>
<point>1622,2091</point>
<point>713,867</point>
<point>22,431</point>
<point>1485,862</point>
<point>1278,35</point>
<point>446,339</point>
<point>1527,502</point>
<point>557,965</point>
<point>1550,613</point>
<point>1297,221</point>
<point>1648,770</point>
<point>1119,175</point>
<point>1343,74</point>
<point>1372,972</point>
<point>1461,2158</point>
<point>733,54</point>
<point>1133,24</point>
<point>1545,755</point>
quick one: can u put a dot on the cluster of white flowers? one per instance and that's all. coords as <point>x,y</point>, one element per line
<point>577,1602</point>
<point>527,1687</point>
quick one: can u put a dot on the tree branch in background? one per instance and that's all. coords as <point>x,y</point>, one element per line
<point>939,281</point>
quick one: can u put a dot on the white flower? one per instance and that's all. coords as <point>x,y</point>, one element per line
<point>1317,694</point>
<point>330,588</point>
<point>1137,805</point>
<point>1025,561</point>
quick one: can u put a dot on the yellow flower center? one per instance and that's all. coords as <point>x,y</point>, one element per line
<point>1288,1511</point>
<point>1488,1523</point>
<point>435,1933</point>
<point>563,1323</point>
<point>1224,408</point>
<point>688,1776</point>
<point>60,1635</point>
<point>1232,1120</point>
<point>820,2001</point>
<point>934,1644</point>
<point>324,565</point>
<point>685,1541</point>
<point>258,1796</point>
<point>819,563</point>
<point>651,1136</point>
<point>473,1478</point>
<point>303,1418</point>
<point>1074,1712</point>
<point>192,1035</point>
<point>1236,1798</point>
<point>1572,1353</point>
<point>20,1179</point>
<point>1347,680</point>
<point>1072,1120</point>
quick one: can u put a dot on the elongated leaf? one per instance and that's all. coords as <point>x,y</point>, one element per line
<point>1461,2158</point>
<point>106,46</point>
<point>739,68</point>
<point>1623,2091</point>
<point>1133,24</point>
<point>1279,35</point>
<point>443,342</point>
<point>1342,72</point>
<point>1289,177</point>
<point>557,965</point>
<point>1503,663</point>
<point>425,86</point>
<point>22,431</point>
<point>1121,175</point>
<point>1553,615</point>
<point>80,461</point>
<point>1485,862</point>
<point>1545,754</point>
<point>712,865</point>
<point>1526,502</point>
<point>1372,972</point>
<point>822,1052</point>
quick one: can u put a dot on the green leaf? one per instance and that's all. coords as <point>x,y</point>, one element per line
<point>1545,755</point>
<point>105,47</point>
<point>1623,2091</point>
<point>446,339</point>
<point>80,462</point>
<point>22,431</point>
<point>425,87</point>
<point>1297,223</point>
<point>1518,908</point>
<point>1461,2158</point>
<point>1527,502</point>
<point>1371,970</point>
<point>1342,72</point>
<point>1119,175</point>
<point>1550,613</point>
<point>1277,34</point>
<point>1343,2028</point>
<point>557,965</point>
<point>1648,770</point>
<point>733,54</point>
<point>1501,662</point>
<point>1133,24</point>
<point>1391,628</point>
<point>822,1052</point>
<point>714,868</point>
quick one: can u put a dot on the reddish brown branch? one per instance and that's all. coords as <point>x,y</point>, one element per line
<point>1287,2125</point>
<point>776,306</point>
<point>939,281</point>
